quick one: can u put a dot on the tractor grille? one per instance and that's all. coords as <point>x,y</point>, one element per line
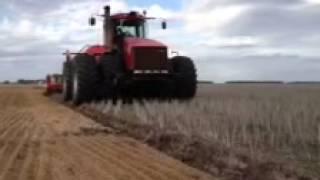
<point>150,59</point>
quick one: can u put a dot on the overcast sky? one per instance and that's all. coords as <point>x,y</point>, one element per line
<point>228,39</point>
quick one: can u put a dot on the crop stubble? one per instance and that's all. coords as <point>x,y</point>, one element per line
<point>233,131</point>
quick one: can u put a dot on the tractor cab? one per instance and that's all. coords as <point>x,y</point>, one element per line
<point>123,26</point>
<point>120,26</point>
<point>129,25</point>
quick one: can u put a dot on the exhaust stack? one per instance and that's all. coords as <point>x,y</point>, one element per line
<point>107,41</point>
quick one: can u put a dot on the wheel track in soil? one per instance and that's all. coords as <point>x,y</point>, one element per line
<point>125,165</point>
<point>42,140</point>
<point>14,152</point>
<point>116,152</point>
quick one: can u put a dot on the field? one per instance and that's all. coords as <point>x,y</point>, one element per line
<point>41,139</point>
<point>230,131</point>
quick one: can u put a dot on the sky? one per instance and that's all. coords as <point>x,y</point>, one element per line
<point>227,39</point>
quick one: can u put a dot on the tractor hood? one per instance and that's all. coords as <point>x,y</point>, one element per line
<point>148,51</point>
<point>138,42</point>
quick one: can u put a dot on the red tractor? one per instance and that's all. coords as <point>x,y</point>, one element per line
<point>54,84</point>
<point>127,65</point>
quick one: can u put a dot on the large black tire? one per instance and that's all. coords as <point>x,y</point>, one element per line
<point>111,69</point>
<point>185,77</point>
<point>84,79</point>
<point>67,81</point>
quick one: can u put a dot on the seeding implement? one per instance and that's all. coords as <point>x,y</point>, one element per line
<point>53,84</point>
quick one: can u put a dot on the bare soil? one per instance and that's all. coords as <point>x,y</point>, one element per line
<point>41,139</point>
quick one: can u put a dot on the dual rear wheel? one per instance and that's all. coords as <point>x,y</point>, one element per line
<point>67,81</point>
<point>80,79</point>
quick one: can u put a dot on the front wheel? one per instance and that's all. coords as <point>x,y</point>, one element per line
<point>111,68</point>
<point>185,77</point>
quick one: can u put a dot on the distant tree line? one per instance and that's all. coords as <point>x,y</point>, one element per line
<point>6,82</point>
<point>205,82</point>
<point>304,82</point>
<point>272,82</point>
<point>255,82</point>
<point>25,81</point>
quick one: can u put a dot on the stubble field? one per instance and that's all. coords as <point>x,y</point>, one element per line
<point>232,131</point>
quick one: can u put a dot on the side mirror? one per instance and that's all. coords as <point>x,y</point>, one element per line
<point>164,25</point>
<point>92,21</point>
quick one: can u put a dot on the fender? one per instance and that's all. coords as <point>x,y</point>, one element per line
<point>97,51</point>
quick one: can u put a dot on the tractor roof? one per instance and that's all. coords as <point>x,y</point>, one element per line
<point>129,16</point>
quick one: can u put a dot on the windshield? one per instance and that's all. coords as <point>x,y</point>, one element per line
<point>134,30</point>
